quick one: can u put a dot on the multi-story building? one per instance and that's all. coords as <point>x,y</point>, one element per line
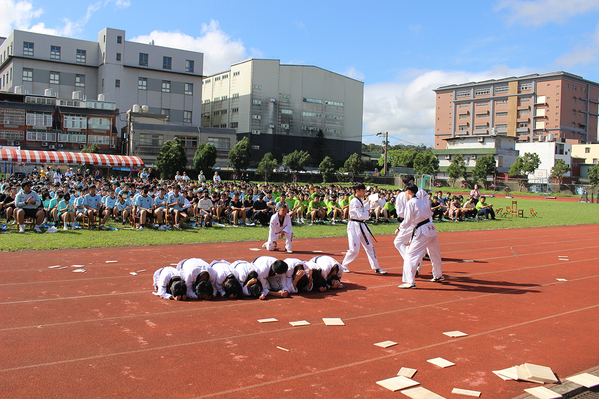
<point>167,80</point>
<point>281,108</point>
<point>588,152</point>
<point>34,122</point>
<point>534,107</point>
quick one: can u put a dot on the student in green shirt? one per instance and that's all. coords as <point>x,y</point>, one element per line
<point>389,208</point>
<point>317,209</point>
<point>333,209</point>
<point>344,204</point>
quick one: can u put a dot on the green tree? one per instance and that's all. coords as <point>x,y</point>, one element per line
<point>484,167</point>
<point>171,158</point>
<point>320,149</point>
<point>326,169</point>
<point>425,163</point>
<point>296,160</point>
<point>457,168</point>
<point>594,175</point>
<point>240,156</point>
<point>267,165</point>
<point>559,170</point>
<point>91,149</point>
<point>354,165</point>
<point>204,158</point>
<point>525,165</point>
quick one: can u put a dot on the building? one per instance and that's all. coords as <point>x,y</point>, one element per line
<point>281,108</point>
<point>44,122</point>
<point>502,148</point>
<point>548,153</point>
<point>530,108</point>
<point>146,133</point>
<point>588,152</point>
<point>167,80</point>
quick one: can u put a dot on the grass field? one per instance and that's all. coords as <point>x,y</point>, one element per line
<point>550,213</point>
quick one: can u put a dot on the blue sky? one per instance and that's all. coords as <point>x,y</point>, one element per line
<point>401,50</point>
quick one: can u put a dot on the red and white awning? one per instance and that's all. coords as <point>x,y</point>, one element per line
<point>66,157</point>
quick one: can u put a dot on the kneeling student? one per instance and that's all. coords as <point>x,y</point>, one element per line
<point>198,277</point>
<point>330,270</point>
<point>226,280</point>
<point>168,284</point>
<point>271,273</point>
<point>280,225</point>
<point>248,277</point>
<point>299,276</point>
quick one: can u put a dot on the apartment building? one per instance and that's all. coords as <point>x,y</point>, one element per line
<point>556,106</point>
<point>281,108</point>
<point>165,79</point>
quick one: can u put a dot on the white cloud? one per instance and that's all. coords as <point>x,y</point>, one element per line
<point>17,15</point>
<point>406,108</point>
<point>354,74</point>
<point>122,3</point>
<point>540,12</point>
<point>218,47</point>
<point>581,54</point>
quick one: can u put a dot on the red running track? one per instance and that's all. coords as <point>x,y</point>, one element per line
<point>103,334</point>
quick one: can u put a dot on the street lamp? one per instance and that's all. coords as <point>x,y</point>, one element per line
<point>386,143</point>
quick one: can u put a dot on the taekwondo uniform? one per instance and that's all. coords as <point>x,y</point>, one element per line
<point>292,263</point>
<point>162,280</point>
<point>358,233</point>
<point>243,269</point>
<point>222,269</point>
<point>325,264</point>
<point>276,229</point>
<point>418,230</point>
<point>269,283</point>
<point>190,269</point>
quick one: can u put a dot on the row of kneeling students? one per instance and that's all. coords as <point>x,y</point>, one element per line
<point>195,278</point>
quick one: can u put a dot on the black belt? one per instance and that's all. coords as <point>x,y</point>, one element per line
<point>363,223</point>
<point>422,223</point>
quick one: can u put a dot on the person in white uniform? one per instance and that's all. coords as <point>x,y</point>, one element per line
<point>248,277</point>
<point>358,231</point>
<point>420,233</point>
<point>198,276</point>
<point>299,276</point>
<point>330,270</point>
<point>168,284</point>
<point>272,274</point>
<point>280,226</point>
<point>226,280</point>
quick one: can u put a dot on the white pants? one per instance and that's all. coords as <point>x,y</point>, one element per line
<point>415,252</point>
<point>402,247</point>
<point>355,238</point>
<point>272,238</point>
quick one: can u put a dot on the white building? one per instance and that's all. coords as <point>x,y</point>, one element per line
<point>112,69</point>
<point>548,152</point>
<point>281,108</point>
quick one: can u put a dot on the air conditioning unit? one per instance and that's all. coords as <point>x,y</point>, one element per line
<point>10,142</point>
<point>52,146</point>
<point>60,145</point>
<point>44,144</point>
<point>447,156</point>
<point>17,143</point>
<point>82,146</point>
<point>481,139</point>
<point>76,95</point>
<point>112,146</point>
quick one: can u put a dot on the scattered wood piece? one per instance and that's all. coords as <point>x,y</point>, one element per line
<point>299,323</point>
<point>77,265</point>
<point>63,267</point>
<point>397,383</point>
<point>79,271</point>
<point>514,252</point>
<point>139,271</point>
<point>283,349</point>
<point>468,260</point>
<point>563,256</point>
<point>271,320</point>
<point>255,249</point>
<point>407,372</point>
<point>455,334</point>
<point>539,373</point>
<point>174,264</point>
<point>421,393</point>
<point>439,361</point>
<point>334,321</point>
<point>543,393</point>
<point>111,261</point>
<point>317,251</point>
<point>564,259</point>
<point>54,267</point>
<point>561,279</point>
<point>133,273</point>
<point>585,379</point>
<point>507,374</point>
<point>465,392</point>
<point>386,344</point>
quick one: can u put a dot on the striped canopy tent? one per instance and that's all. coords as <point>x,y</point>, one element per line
<point>66,157</point>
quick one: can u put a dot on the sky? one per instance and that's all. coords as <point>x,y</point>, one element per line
<point>401,50</point>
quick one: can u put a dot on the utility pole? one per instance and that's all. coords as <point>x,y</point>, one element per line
<point>386,143</point>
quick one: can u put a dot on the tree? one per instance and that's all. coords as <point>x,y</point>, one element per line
<point>267,165</point>
<point>457,168</point>
<point>484,167</point>
<point>240,156</point>
<point>320,148</point>
<point>403,158</point>
<point>171,159</point>
<point>354,165</point>
<point>426,163</point>
<point>205,158</point>
<point>559,170</point>
<point>296,160</point>
<point>326,169</point>
<point>594,175</point>
<point>524,166</point>
<point>91,149</point>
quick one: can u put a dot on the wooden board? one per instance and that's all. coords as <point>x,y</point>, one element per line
<point>334,321</point>
<point>439,361</point>
<point>397,383</point>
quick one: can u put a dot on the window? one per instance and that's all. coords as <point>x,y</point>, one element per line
<point>501,114</point>
<point>225,76</point>
<point>27,48</point>
<point>255,131</point>
<point>41,136</point>
<point>216,78</point>
<point>482,104</point>
<point>119,39</point>
<point>223,98</point>
<point>99,123</point>
<point>311,100</point>
<point>587,150</point>
<point>338,104</point>
<point>525,87</point>
<point>167,62</point>
<point>463,128</point>
<point>333,117</point>
<point>27,75</point>
<point>187,116</point>
<point>55,78</point>
<point>142,83</point>
<point>206,81</point>
<point>284,125</point>
<point>234,110</point>
<point>501,102</point>
<point>215,99</point>
<point>189,89</point>
<point>189,66</point>
<point>152,140</point>
<point>482,92</point>
<point>480,127</point>
<point>256,102</point>
<point>75,122</point>
<point>118,56</point>
<point>223,112</point>
<point>482,115</point>
<point>463,105</point>
<point>287,96</point>
<point>524,112</point>
<point>55,52</point>
<point>522,125</point>
<point>312,114</point>
<point>81,56</point>
<point>220,143</point>
<point>524,100</point>
<point>166,86</point>
<point>235,95</point>
<point>207,101</point>
<point>464,116</point>
<point>234,125</point>
<point>286,111</point>
<point>117,83</point>
<point>463,93</point>
<point>38,119</point>
<point>236,73</point>
<point>95,139</point>
<point>165,111</point>
<point>223,125</point>
<point>80,80</point>
<point>188,141</point>
<point>143,59</point>
<point>501,126</point>
<point>256,116</point>
<point>216,113</point>
<point>501,89</point>
<point>258,87</point>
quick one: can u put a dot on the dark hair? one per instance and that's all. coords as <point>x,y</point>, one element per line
<point>359,186</point>
<point>303,282</point>
<point>332,278</point>
<point>412,188</point>
<point>279,267</point>
<point>317,280</point>
<point>176,287</point>
<point>232,287</point>
<point>204,289</point>
<point>255,289</point>
<point>407,179</point>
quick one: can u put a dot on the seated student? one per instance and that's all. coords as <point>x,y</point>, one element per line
<point>27,204</point>
<point>344,203</point>
<point>176,201</point>
<point>330,270</point>
<point>198,277</point>
<point>222,207</point>
<point>270,202</point>
<point>296,207</point>
<point>271,273</point>
<point>299,276</point>
<point>436,208</point>
<point>80,194</point>
<point>92,204</point>
<point>65,210</point>
<point>484,209</point>
<point>455,209</point>
<point>389,207</point>
<point>248,207</point>
<point>334,211</point>
<point>280,225</point>
<point>377,204</point>
<point>261,210</point>
<point>144,208</point>
<point>8,203</point>
<point>160,212</point>
<point>124,207</point>
<point>109,205</point>
<point>316,209</point>
<point>226,280</point>
<point>248,277</point>
<point>469,208</point>
<point>205,212</point>
<point>168,284</point>
<point>236,210</point>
